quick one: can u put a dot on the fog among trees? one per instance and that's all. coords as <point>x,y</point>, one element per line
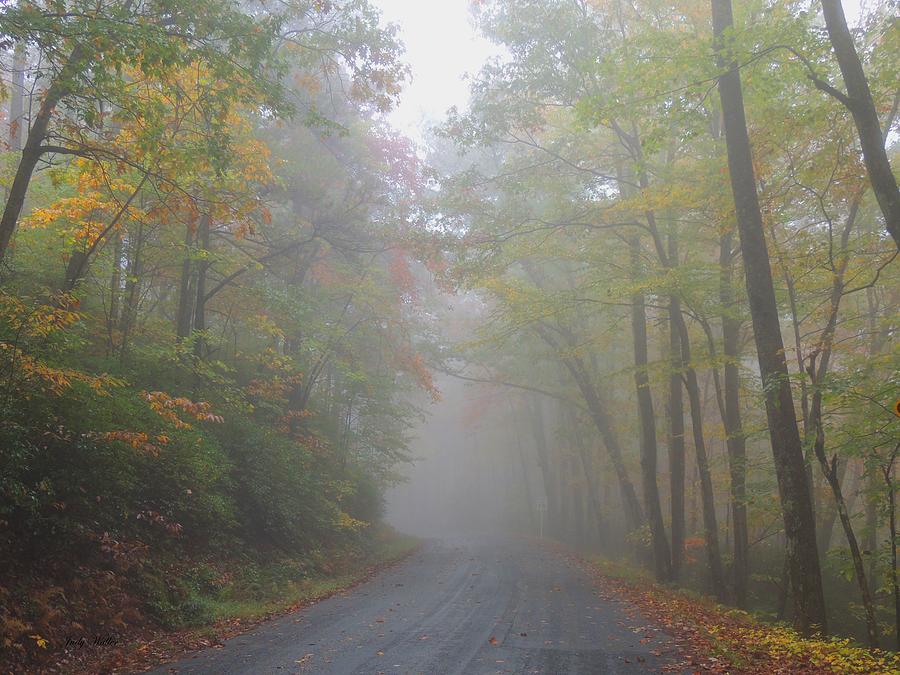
<point>638,297</point>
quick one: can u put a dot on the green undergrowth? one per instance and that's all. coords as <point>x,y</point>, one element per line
<point>245,589</point>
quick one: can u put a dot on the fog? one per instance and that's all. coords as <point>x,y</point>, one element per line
<point>290,291</point>
<point>470,467</point>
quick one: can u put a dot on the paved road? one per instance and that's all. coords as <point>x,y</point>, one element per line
<point>456,607</point>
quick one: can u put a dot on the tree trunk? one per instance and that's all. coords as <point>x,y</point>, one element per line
<point>132,288</point>
<point>831,475</point>
<point>787,450</point>
<point>862,107</point>
<point>634,515</point>
<point>33,149</point>
<point>184,318</point>
<point>829,514</point>
<point>546,465</point>
<point>523,464</point>
<point>892,521</point>
<point>676,441</point>
<point>115,294</point>
<point>587,467</point>
<point>200,304</point>
<point>731,419</point>
<point>662,562</point>
<point>707,497</point>
<point>17,98</point>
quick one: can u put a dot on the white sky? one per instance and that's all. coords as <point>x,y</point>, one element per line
<point>442,46</point>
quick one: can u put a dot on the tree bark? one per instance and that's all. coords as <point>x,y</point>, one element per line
<point>735,439</point>
<point>787,450</point>
<point>662,562</point>
<point>546,466</point>
<point>200,344</point>
<point>33,149</point>
<point>676,441</point>
<point>634,515</point>
<point>184,318</point>
<point>892,522</point>
<point>17,98</point>
<point>587,467</point>
<point>115,294</point>
<point>707,497</point>
<point>862,107</point>
<point>523,465</point>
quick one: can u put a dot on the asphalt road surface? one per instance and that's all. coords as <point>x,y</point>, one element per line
<point>455,607</point>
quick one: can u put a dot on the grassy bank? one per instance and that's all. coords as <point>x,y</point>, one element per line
<point>718,639</point>
<point>189,604</point>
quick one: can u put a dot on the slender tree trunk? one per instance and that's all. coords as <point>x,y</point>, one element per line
<point>831,475</point>
<point>523,464</point>
<point>17,98</point>
<point>870,541</point>
<point>634,515</point>
<point>865,116</point>
<point>184,318</point>
<point>115,294</point>
<point>731,419</point>
<point>132,287</point>
<point>804,389</point>
<point>787,449</point>
<point>829,514</point>
<point>707,497</point>
<point>200,304</point>
<point>661,557</point>
<point>892,521</point>
<point>546,465</point>
<point>33,149</point>
<point>587,467</point>
<point>815,426</point>
<point>633,512</point>
<point>676,441</point>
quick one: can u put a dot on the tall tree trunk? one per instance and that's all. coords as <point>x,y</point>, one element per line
<point>587,467</point>
<point>200,304</point>
<point>17,98</point>
<point>816,428</point>
<point>676,441</point>
<point>862,107</point>
<point>634,514</point>
<point>888,473</point>
<point>787,449</point>
<point>115,294</point>
<point>662,562</point>
<point>830,470</point>
<point>546,465</point>
<point>596,407</point>
<point>829,514</point>
<point>707,497</point>
<point>184,318</point>
<point>34,147</point>
<point>523,464</point>
<point>731,419</point>
<point>132,287</point>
